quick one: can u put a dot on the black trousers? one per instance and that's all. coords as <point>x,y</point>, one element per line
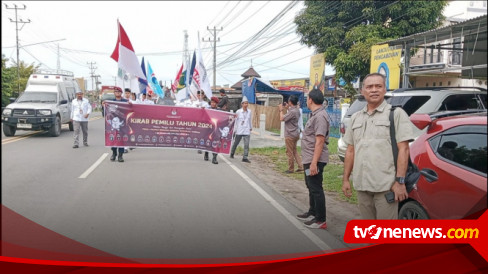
<point>121,150</point>
<point>316,192</point>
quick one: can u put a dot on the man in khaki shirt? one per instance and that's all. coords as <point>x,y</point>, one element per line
<point>292,133</point>
<point>369,151</point>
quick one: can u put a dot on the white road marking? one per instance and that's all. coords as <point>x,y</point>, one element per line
<point>299,225</point>
<point>92,168</point>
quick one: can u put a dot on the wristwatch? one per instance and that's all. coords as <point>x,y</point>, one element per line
<point>400,180</point>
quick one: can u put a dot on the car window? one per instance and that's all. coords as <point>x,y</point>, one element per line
<point>355,107</point>
<point>461,102</point>
<point>466,147</point>
<point>483,100</point>
<point>409,103</point>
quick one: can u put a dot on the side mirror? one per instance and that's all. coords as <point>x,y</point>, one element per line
<point>63,102</point>
<point>12,99</point>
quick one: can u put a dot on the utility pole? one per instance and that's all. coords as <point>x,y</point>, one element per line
<point>17,38</point>
<point>59,59</point>
<point>92,72</point>
<point>96,82</point>
<point>186,54</point>
<point>215,40</point>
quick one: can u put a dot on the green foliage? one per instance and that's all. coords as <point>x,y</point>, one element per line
<point>346,30</point>
<point>10,81</point>
<point>332,172</point>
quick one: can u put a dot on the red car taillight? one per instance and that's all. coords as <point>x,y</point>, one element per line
<point>342,128</point>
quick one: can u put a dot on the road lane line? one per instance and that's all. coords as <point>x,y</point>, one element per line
<point>19,137</point>
<point>299,225</point>
<point>92,168</point>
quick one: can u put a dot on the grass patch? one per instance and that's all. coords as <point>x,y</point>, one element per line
<point>275,130</point>
<point>332,172</point>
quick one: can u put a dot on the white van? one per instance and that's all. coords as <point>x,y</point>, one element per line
<point>44,105</point>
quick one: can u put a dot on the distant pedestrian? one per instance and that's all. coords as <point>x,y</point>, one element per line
<point>292,133</point>
<point>80,110</point>
<point>224,100</point>
<point>315,156</point>
<point>243,129</point>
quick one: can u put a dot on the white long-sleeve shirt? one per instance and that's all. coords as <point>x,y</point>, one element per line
<point>243,122</point>
<point>79,108</point>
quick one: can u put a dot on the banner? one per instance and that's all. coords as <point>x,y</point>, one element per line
<point>386,60</point>
<point>138,125</point>
<point>317,69</point>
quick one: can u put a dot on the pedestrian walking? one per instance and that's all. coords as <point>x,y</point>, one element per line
<point>369,153</point>
<point>243,129</point>
<point>80,110</point>
<point>315,156</point>
<point>292,132</point>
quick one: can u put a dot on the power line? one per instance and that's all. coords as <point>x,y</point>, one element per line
<point>260,33</point>
<point>355,20</point>
<point>226,3</point>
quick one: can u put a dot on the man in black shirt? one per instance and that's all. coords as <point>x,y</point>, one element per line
<point>224,101</point>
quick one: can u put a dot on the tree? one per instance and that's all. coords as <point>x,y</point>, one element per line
<point>346,30</point>
<point>10,81</point>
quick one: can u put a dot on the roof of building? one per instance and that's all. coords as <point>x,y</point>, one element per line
<point>250,73</point>
<point>470,26</point>
<point>238,85</point>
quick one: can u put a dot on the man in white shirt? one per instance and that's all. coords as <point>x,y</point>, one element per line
<point>80,110</point>
<point>243,129</point>
<point>199,102</point>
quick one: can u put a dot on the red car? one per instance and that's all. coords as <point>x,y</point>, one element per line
<point>452,158</point>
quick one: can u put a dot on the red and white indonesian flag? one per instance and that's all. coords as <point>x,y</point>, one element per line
<point>125,55</point>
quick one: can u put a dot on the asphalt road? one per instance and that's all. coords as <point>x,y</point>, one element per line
<point>159,203</point>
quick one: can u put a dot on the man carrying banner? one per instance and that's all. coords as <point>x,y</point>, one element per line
<point>243,129</point>
<point>118,98</point>
<point>213,105</point>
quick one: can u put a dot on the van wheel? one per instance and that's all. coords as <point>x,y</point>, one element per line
<point>8,130</point>
<point>55,130</point>
<point>412,211</point>
<point>70,125</point>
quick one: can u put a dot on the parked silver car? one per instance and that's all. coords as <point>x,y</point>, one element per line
<point>420,100</point>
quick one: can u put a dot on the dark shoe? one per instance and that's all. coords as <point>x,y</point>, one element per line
<point>316,224</point>
<point>289,171</point>
<point>131,148</point>
<point>214,160</point>
<point>246,161</point>
<point>112,158</point>
<point>205,157</point>
<point>305,217</point>
<point>75,146</point>
<point>232,156</point>
<point>120,159</point>
<point>85,144</point>
<point>299,170</point>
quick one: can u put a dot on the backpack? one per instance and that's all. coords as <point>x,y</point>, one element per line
<point>413,174</point>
